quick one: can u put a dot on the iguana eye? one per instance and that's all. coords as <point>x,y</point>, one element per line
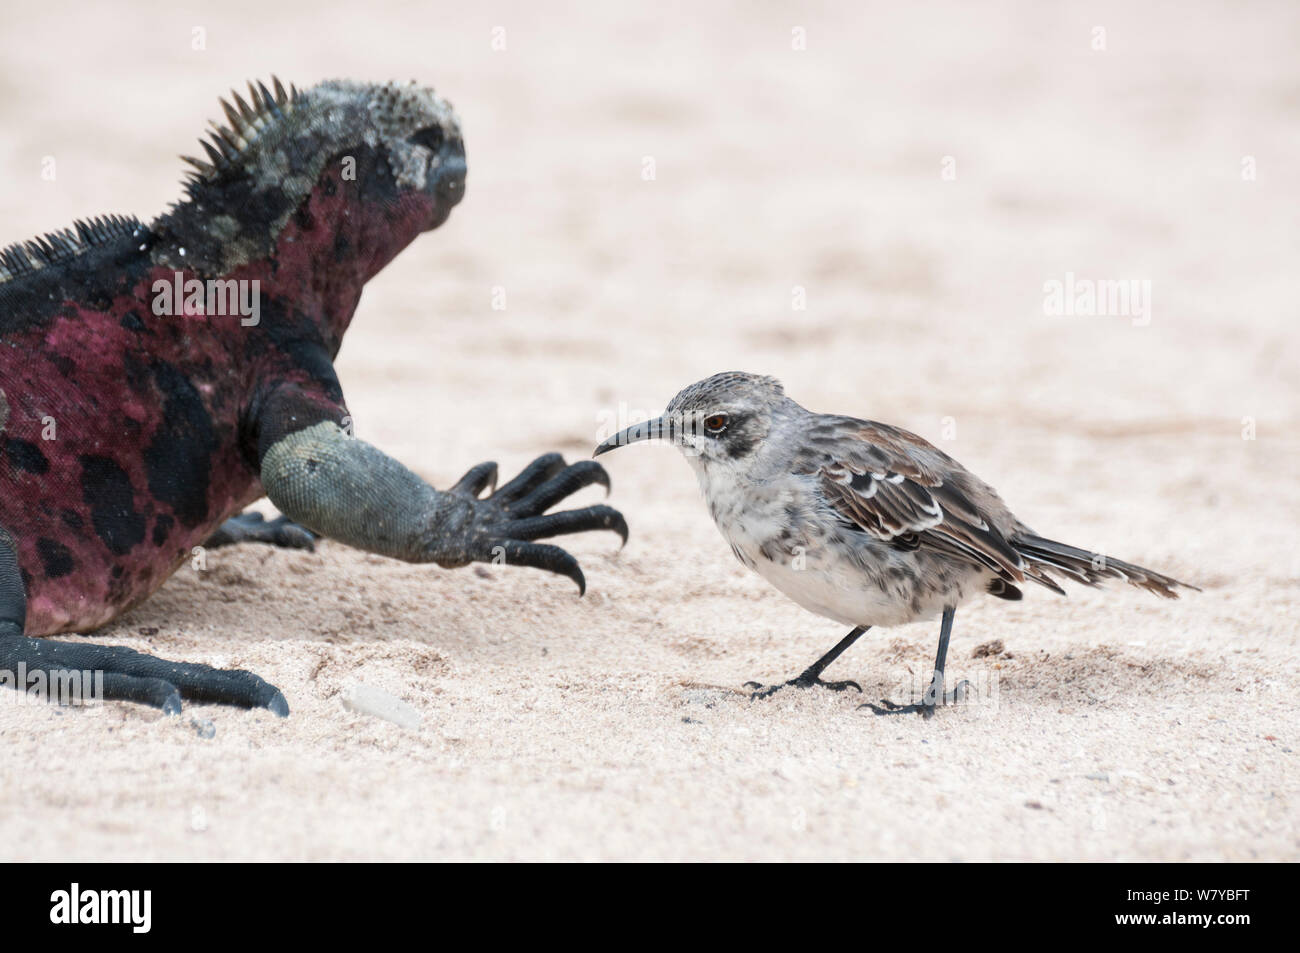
<point>430,137</point>
<point>715,424</point>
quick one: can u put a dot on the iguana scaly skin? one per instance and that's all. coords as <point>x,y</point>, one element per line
<point>129,436</point>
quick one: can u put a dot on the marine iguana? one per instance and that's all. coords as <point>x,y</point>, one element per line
<point>136,422</point>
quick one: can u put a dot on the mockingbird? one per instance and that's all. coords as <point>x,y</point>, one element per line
<point>859,521</point>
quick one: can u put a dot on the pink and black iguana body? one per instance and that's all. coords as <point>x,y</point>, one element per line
<point>127,437</point>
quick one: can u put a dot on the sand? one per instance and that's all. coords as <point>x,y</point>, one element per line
<point>1114,726</point>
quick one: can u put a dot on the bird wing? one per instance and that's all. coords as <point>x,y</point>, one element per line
<point>896,487</point>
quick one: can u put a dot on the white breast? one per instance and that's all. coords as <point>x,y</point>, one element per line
<point>851,580</point>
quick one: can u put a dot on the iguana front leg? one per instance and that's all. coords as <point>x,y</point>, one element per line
<point>348,490</point>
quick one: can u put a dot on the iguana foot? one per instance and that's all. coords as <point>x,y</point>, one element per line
<point>117,673</point>
<point>508,520</point>
<point>761,691</point>
<point>252,527</point>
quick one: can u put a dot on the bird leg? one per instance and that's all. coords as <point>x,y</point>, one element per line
<point>812,674</point>
<point>934,695</point>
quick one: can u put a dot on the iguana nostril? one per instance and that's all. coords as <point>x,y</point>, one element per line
<point>450,178</point>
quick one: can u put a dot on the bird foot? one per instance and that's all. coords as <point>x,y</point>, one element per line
<point>761,691</point>
<point>926,707</point>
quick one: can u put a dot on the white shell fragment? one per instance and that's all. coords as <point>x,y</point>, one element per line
<point>368,700</point>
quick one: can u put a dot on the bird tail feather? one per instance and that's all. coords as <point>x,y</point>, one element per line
<point>1046,556</point>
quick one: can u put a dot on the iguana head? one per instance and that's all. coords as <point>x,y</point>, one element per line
<point>358,168</point>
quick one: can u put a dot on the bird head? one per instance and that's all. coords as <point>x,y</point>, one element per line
<point>717,422</point>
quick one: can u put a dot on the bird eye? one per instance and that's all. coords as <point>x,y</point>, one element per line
<point>715,424</point>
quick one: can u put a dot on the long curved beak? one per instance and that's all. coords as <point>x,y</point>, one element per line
<point>660,428</point>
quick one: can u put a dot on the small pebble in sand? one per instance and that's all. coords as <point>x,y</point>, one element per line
<point>702,696</point>
<point>988,649</point>
<point>1098,776</point>
<point>368,700</point>
<point>204,727</point>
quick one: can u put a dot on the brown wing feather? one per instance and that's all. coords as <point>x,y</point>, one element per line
<point>891,483</point>
<point>897,487</point>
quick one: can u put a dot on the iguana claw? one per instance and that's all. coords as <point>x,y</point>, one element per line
<point>506,522</point>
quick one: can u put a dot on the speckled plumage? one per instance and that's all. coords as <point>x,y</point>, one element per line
<point>858,521</point>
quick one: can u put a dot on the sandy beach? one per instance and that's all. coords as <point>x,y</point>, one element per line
<point>866,201</point>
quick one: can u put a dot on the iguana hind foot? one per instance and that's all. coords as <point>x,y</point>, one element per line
<point>253,527</point>
<point>117,673</point>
